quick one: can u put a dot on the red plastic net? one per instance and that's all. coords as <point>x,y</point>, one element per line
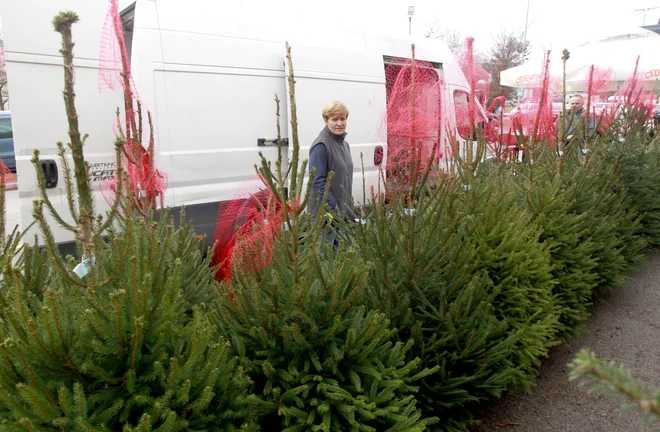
<point>247,230</point>
<point>467,111</point>
<point>414,118</point>
<point>470,115</point>
<point>631,99</point>
<point>597,81</point>
<point>501,139</point>
<point>146,181</point>
<point>7,178</point>
<point>478,78</point>
<point>536,115</point>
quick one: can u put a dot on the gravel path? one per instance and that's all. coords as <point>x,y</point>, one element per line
<point>625,327</point>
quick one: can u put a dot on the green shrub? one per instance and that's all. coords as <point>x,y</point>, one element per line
<point>120,349</point>
<point>638,163</point>
<point>573,262</point>
<point>118,341</point>
<point>466,277</point>
<point>509,250</point>
<point>616,381</point>
<point>611,221</point>
<point>320,361</point>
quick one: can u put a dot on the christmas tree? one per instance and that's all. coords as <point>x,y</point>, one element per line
<point>616,381</point>
<point>318,358</point>
<point>120,340</point>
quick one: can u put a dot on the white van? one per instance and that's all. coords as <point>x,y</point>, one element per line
<point>209,78</point>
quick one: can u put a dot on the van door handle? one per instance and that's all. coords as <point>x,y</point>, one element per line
<point>49,167</point>
<point>263,142</point>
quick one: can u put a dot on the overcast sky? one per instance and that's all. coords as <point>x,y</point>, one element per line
<point>552,24</point>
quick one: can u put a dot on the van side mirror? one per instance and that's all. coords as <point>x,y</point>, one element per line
<point>378,155</point>
<point>49,167</point>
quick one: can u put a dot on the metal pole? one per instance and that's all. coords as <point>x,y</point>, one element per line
<point>644,10</point>
<point>409,25</point>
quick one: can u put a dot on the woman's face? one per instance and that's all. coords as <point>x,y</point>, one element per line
<point>337,124</point>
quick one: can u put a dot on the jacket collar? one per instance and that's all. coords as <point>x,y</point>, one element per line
<point>338,138</point>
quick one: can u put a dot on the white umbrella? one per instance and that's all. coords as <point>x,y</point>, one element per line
<point>618,54</point>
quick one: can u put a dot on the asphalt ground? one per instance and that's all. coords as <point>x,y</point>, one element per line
<point>625,327</point>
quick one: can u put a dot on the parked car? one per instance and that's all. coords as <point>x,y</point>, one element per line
<point>7,141</point>
<point>601,107</point>
<point>532,107</point>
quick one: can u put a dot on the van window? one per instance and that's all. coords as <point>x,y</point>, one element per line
<point>394,65</point>
<point>405,127</point>
<point>5,128</point>
<point>128,21</point>
<point>462,113</point>
<point>388,60</point>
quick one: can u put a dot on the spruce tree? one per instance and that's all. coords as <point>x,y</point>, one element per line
<point>118,341</point>
<point>319,360</point>
<point>631,154</point>
<point>464,274</point>
<point>637,157</point>
<point>509,249</point>
<point>421,280</point>
<point>611,221</point>
<point>564,234</point>
<point>615,380</point>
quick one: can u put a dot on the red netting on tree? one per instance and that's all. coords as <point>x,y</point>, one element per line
<point>7,178</point>
<point>466,109</point>
<point>470,116</point>
<point>502,145</point>
<point>631,99</point>
<point>3,59</point>
<point>413,120</point>
<point>147,183</point>
<point>478,78</point>
<point>597,81</point>
<point>534,116</point>
<point>247,230</point>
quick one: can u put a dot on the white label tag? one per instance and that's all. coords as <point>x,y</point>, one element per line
<point>409,212</point>
<point>84,267</point>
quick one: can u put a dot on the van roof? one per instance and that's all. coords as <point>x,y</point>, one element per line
<point>236,19</point>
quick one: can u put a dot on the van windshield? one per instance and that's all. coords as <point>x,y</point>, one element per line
<point>5,128</point>
<point>128,21</point>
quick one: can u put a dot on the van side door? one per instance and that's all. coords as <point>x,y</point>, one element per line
<point>35,76</point>
<point>358,80</point>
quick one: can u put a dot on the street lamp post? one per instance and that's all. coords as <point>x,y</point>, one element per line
<point>411,11</point>
<point>644,10</point>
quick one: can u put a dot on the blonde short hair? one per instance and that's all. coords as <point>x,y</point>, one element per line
<point>334,108</point>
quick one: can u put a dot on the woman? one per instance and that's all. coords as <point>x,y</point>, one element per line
<point>331,153</point>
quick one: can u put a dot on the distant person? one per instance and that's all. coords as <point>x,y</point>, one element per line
<point>575,117</point>
<point>331,153</point>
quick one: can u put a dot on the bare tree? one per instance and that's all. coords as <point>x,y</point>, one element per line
<point>4,92</point>
<point>451,37</point>
<point>508,50</point>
